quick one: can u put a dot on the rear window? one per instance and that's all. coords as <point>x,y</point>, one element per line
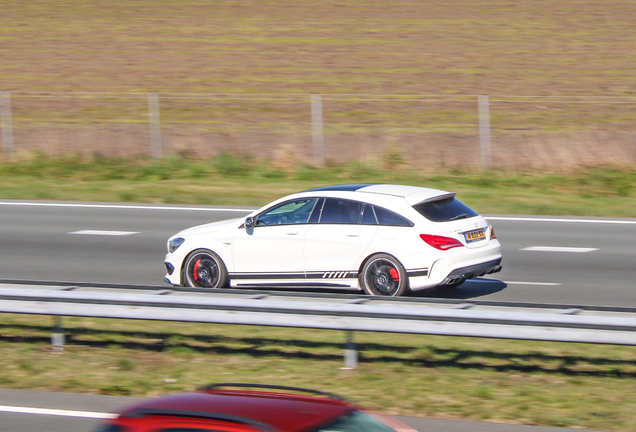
<point>445,210</point>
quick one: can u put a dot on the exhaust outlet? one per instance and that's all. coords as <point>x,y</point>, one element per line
<point>452,280</point>
<point>495,270</point>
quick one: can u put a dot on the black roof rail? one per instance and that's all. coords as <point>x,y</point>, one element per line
<point>144,412</point>
<point>273,387</point>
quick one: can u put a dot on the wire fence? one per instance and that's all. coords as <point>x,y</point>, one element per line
<point>515,132</point>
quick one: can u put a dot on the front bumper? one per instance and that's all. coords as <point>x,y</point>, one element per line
<point>173,270</point>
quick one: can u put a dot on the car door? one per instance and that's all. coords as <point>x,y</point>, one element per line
<point>334,246</point>
<point>273,248</point>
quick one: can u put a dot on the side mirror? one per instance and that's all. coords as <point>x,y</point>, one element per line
<point>249,223</point>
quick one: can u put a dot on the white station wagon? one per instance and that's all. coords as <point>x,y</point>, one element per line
<point>382,239</point>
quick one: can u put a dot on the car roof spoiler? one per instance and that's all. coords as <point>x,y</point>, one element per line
<point>273,387</point>
<point>437,198</point>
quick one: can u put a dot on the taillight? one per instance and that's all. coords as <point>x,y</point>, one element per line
<point>440,242</point>
<point>493,236</point>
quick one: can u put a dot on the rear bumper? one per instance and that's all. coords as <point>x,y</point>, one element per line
<point>460,263</point>
<point>463,273</point>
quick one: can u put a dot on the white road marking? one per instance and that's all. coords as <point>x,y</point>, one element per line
<point>56,412</point>
<point>526,219</point>
<point>558,249</point>
<point>132,207</point>
<point>104,233</point>
<point>518,283</point>
<point>532,283</point>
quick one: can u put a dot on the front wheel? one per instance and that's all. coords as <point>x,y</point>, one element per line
<point>205,269</point>
<point>383,275</point>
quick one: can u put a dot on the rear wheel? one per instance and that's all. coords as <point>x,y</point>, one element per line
<point>383,275</point>
<point>205,269</point>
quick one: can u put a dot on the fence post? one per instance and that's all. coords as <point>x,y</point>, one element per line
<point>351,355</point>
<point>316,124</point>
<point>484,132</point>
<point>155,125</point>
<point>57,337</point>
<point>6,123</point>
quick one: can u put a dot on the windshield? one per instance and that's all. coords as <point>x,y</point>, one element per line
<point>445,210</point>
<point>355,421</point>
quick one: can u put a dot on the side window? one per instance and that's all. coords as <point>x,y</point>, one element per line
<point>368,216</point>
<point>288,213</point>
<point>189,430</point>
<point>341,211</point>
<point>181,429</point>
<point>107,427</point>
<point>315,215</point>
<point>387,217</point>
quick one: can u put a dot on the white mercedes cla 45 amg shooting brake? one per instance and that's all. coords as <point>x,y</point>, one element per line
<point>382,239</point>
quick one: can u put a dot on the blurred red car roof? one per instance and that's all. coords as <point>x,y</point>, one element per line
<point>286,412</point>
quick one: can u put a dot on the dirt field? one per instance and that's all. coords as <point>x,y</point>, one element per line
<point>575,57</point>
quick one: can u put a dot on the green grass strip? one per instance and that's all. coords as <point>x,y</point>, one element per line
<point>549,384</point>
<point>228,179</point>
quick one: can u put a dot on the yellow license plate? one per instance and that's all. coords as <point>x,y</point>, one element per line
<point>475,235</point>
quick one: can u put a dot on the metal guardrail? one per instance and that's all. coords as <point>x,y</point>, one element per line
<point>325,294</point>
<point>568,325</point>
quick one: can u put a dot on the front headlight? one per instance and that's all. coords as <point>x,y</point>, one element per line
<point>174,244</point>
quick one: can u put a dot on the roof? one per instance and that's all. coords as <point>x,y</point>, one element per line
<point>285,412</point>
<point>413,194</point>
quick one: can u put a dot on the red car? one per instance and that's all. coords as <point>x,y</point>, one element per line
<point>250,408</point>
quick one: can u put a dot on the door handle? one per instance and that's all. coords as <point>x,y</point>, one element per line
<point>353,234</point>
<point>292,233</point>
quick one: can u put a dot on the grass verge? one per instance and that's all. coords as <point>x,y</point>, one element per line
<point>550,384</point>
<point>228,179</point>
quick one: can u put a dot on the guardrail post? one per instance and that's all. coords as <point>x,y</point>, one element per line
<point>484,132</point>
<point>316,124</point>
<point>155,125</point>
<point>57,337</point>
<point>350,355</point>
<point>6,123</point>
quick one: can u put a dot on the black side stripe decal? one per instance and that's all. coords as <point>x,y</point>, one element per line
<point>316,275</point>
<point>309,275</point>
<point>267,275</point>
<point>417,272</point>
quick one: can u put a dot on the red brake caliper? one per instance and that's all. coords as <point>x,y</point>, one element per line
<point>394,274</point>
<point>195,270</point>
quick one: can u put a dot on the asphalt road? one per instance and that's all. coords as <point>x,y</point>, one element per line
<point>577,261</point>
<point>20,410</point>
